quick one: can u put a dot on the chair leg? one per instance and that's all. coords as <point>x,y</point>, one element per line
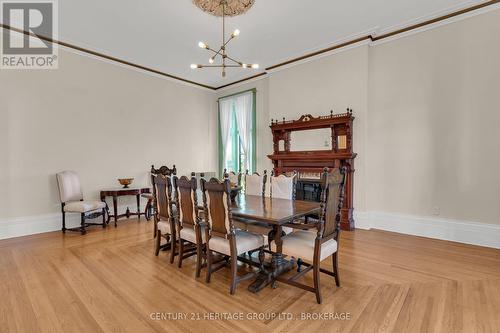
<point>199,258</point>
<point>158,242</point>
<point>103,218</point>
<point>155,226</point>
<point>316,282</point>
<point>82,226</point>
<point>209,264</point>
<point>234,274</point>
<point>181,251</point>
<point>64,222</point>
<point>173,247</point>
<point>336,268</point>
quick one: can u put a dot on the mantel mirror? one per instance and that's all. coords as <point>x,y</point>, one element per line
<point>311,140</point>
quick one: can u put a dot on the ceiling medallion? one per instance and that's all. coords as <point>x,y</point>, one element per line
<point>224,8</point>
<point>232,8</point>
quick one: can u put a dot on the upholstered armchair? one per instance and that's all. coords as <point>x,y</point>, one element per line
<point>315,242</point>
<point>71,196</point>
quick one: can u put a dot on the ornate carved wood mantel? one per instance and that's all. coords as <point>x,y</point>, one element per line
<point>314,161</point>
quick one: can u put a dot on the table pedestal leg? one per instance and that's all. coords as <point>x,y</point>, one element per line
<point>279,265</point>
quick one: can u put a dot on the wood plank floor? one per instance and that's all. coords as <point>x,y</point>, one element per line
<point>110,281</point>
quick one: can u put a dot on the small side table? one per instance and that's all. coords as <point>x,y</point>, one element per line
<point>120,192</point>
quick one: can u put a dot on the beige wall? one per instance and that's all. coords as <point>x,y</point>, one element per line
<point>100,119</point>
<point>434,117</point>
<point>333,83</point>
<point>427,117</point>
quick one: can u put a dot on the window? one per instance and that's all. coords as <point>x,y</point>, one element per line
<point>237,132</point>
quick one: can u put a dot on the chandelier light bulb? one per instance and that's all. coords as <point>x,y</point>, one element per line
<point>203,45</point>
<point>244,65</point>
<point>194,66</point>
<point>255,66</point>
<point>211,60</point>
<point>236,33</point>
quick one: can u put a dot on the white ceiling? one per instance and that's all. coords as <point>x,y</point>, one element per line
<point>164,34</point>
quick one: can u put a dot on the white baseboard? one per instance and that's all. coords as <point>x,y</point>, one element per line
<point>30,225</point>
<point>467,232</point>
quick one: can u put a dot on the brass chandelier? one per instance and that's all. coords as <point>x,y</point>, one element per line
<point>224,8</point>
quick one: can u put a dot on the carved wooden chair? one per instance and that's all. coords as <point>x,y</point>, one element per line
<point>255,184</point>
<point>313,247</point>
<point>71,196</point>
<point>191,229</point>
<point>151,206</point>
<point>221,235</point>
<point>234,178</point>
<point>164,215</point>
<point>282,186</point>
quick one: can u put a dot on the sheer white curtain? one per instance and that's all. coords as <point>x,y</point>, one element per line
<point>244,118</point>
<point>225,107</point>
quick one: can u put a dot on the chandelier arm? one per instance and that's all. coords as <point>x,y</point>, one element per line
<point>220,66</point>
<point>216,52</point>
<point>234,60</point>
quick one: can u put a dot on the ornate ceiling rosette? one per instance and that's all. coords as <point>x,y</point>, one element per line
<point>232,7</point>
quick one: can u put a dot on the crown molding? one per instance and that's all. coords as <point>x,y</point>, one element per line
<point>105,56</point>
<point>371,38</point>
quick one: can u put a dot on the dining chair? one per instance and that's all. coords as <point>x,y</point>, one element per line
<point>221,235</point>
<point>255,184</point>
<point>314,247</point>
<point>71,197</point>
<point>191,229</point>
<point>151,203</point>
<point>282,186</point>
<point>234,178</point>
<point>164,215</point>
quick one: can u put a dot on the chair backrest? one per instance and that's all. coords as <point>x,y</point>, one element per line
<point>234,178</point>
<point>332,200</point>
<point>283,187</point>
<point>186,201</point>
<point>163,170</point>
<point>163,193</point>
<point>255,184</point>
<point>69,186</point>
<point>217,206</point>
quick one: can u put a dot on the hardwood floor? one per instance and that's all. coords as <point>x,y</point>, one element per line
<point>110,280</point>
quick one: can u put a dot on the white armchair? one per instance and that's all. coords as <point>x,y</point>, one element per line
<point>71,196</point>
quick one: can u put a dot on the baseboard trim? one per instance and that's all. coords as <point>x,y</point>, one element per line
<point>31,225</point>
<point>466,232</point>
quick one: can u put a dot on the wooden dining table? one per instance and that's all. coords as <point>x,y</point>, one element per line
<point>275,213</point>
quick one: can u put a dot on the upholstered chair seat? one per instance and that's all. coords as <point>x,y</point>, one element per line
<point>245,241</point>
<point>164,227</point>
<point>189,234</point>
<point>83,206</point>
<point>300,244</point>
<point>147,195</point>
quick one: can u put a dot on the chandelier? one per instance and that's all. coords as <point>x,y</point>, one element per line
<point>223,8</point>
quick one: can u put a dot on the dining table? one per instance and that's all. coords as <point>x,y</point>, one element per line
<point>275,213</point>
